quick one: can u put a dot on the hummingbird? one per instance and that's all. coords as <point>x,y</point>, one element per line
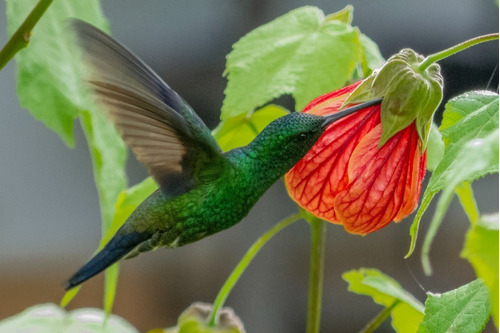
<point>202,190</point>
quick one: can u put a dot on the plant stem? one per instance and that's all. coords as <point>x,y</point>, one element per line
<point>379,318</point>
<point>243,264</point>
<point>316,269</point>
<point>20,39</point>
<point>455,49</point>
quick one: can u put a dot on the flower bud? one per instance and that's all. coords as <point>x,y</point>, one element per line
<point>195,320</point>
<point>408,93</point>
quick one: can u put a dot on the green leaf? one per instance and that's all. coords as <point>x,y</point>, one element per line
<point>51,87</point>
<point>473,115</point>
<point>406,314</point>
<point>300,53</point>
<point>108,153</point>
<point>476,158</point>
<point>465,309</point>
<point>49,318</point>
<point>470,115</point>
<point>435,148</point>
<point>481,250</point>
<point>242,129</point>
<point>372,58</point>
<point>48,79</point>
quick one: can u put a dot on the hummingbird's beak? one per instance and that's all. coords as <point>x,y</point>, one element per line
<point>345,112</point>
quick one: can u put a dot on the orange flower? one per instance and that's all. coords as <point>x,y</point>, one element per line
<point>347,179</point>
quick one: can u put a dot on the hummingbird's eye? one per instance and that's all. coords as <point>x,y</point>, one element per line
<point>305,135</point>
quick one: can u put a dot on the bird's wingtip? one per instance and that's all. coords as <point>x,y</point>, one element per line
<point>70,284</point>
<point>67,285</point>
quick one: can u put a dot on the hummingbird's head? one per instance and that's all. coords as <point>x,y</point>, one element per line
<point>288,138</point>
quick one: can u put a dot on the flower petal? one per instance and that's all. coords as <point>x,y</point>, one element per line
<point>316,179</point>
<point>416,173</point>
<point>347,178</point>
<point>330,103</point>
<point>384,183</point>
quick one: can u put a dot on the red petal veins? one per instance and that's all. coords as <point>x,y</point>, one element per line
<point>416,173</point>
<point>375,193</point>
<point>315,180</point>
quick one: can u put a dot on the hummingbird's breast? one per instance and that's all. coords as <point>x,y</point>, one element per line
<point>206,209</point>
<point>216,206</point>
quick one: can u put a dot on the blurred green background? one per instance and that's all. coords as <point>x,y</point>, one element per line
<point>49,214</point>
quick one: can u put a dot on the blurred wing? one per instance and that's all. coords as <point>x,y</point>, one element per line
<point>158,125</point>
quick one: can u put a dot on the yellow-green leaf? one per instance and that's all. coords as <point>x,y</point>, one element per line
<point>481,250</point>
<point>242,129</point>
<point>406,313</point>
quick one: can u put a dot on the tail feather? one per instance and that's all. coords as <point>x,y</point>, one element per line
<point>116,249</point>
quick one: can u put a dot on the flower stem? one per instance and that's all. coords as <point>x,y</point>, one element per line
<point>455,49</point>
<point>316,269</point>
<point>243,264</point>
<point>20,39</point>
<point>379,318</point>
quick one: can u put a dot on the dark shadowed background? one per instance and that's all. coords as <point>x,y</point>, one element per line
<point>49,214</point>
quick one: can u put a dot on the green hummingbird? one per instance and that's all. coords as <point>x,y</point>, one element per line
<point>201,189</point>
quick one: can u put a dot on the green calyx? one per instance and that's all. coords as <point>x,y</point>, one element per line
<point>408,94</point>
